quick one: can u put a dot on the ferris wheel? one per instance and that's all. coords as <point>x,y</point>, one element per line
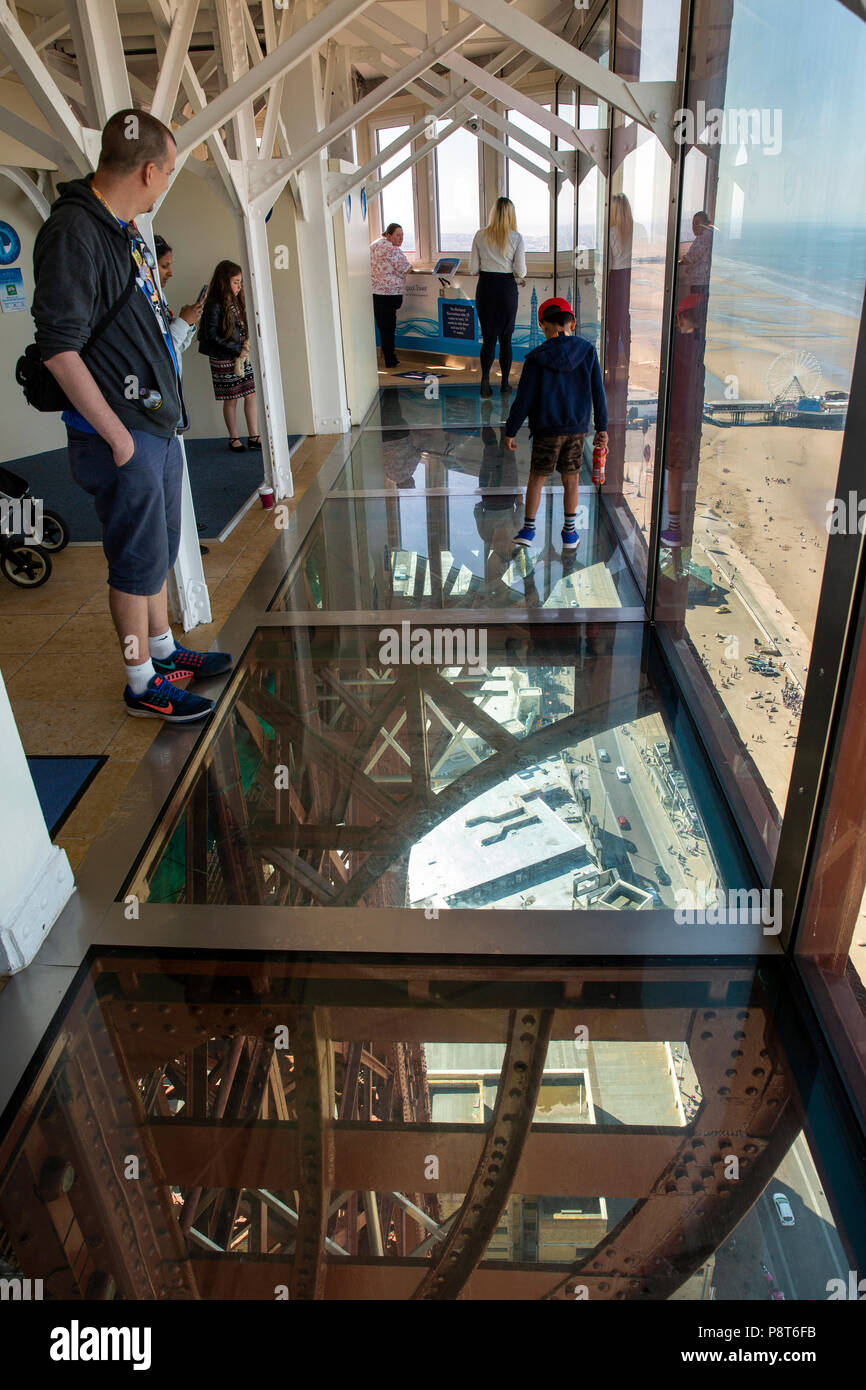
<point>794,374</point>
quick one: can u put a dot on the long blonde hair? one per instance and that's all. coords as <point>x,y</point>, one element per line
<point>502,221</point>
<point>621,219</point>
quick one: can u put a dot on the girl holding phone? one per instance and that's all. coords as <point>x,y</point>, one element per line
<point>182,326</point>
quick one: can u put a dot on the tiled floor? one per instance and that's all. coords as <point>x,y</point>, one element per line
<point>58,655</point>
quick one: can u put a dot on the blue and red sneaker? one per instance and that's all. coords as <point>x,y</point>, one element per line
<point>163,701</point>
<point>184,663</point>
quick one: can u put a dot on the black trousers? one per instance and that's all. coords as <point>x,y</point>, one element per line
<point>496,303</point>
<point>385,308</point>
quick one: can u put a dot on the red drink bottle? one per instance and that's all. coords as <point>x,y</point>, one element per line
<point>599,456</point>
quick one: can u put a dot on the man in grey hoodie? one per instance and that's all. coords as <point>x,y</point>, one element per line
<point>126,404</point>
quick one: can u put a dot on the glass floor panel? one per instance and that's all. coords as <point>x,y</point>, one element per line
<point>414,552</point>
<point>462,460</point>
<point>410,406</point>
<point>648,1165</point>
<point>436,768</point>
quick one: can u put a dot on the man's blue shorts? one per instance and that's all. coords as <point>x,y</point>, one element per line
<point>138,505</point>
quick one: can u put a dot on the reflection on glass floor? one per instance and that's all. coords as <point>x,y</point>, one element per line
<point>461,460</point>
<point>452,405</point>
<point>248,1128</point>
<point>412,552</point>
<point>448,768</point>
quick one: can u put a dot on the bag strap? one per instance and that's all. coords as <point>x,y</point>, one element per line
<point>111,314</point>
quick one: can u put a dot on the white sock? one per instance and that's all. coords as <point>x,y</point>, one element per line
<point>137,677</point>
<point>162,646</point>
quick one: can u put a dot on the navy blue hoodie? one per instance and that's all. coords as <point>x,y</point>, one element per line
<point>560,387</point>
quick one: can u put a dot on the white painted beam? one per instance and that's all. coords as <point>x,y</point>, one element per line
<point>101,60</point>
<point>43,34</point>
<point>345,185</point>
<point>28,188</point>
<point>275,92</point>
<point>417,155</point>
<point>381,94</point>
<point>40,85</point>
<point>284,57</point>
<point>171,68</point>
<point>39,141</point>
<point>650,103</point>
<point>496,87</point>
<point>511,153</point>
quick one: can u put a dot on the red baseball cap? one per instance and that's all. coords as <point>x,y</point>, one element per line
<point>691,301</point>
<point>562,304</point>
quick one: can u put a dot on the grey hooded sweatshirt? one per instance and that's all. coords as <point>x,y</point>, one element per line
<point>81,263</point>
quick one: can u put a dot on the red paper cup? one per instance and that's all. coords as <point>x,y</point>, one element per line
<point>267,495</point>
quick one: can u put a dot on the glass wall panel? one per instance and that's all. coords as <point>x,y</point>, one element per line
<point>527,192</point>
<point>566,205</point>
<point>769,291</point>
<point>640,189</point>
<point>398,202</point>
<point>592,201</point>
<point>457,203</point>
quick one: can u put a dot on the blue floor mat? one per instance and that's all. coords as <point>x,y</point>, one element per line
<point>221,482</point>
<point>60,783</point>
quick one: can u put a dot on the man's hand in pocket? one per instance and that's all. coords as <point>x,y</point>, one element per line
<point>123,449</point>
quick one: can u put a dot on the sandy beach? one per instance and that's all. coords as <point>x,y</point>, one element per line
<point>761,494</point>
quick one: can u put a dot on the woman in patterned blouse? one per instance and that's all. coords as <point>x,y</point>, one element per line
<point>389,268</point>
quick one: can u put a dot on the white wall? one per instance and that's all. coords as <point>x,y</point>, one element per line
<point>200,227</point>
<point>25,431</point>
<point>35,877</point>
<point>352,247</point>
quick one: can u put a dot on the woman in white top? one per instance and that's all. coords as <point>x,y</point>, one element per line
<point>497,257</point>
<point>389,267</point>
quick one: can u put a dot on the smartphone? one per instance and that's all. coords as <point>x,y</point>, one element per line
<point>201,294</point>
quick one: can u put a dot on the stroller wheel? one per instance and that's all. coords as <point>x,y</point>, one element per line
<point>55,532</point>
<point>27,566</point>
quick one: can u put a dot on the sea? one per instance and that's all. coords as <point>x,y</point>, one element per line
<point>767,284</point>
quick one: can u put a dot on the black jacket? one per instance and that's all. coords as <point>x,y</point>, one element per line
<point>560,388</point>
<point>211,341</point>
<point>81,264</point>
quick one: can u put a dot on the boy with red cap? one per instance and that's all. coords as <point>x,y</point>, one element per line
<point>560,386</point>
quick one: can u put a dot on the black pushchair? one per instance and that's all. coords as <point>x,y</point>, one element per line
<point>29,533</point>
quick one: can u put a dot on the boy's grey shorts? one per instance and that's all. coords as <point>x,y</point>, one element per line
<point>561,451</point>
<point>138,505</point>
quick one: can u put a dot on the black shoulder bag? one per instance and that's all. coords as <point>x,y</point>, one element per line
<point>40,388</point>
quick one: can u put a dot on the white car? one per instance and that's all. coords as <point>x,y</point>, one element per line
<point>783,1207</point>
<point>622,774</point>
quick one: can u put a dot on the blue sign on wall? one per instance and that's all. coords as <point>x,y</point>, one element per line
<point>10,244</point>
<point>457,319</point>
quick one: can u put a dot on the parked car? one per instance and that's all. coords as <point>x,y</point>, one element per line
<point>603,755</point>
<point>623,823</point>
<point>783,1207</point>
<point>663,876</point>
<point>622,774</point>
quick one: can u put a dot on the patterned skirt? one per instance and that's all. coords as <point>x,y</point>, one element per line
<point>227,386</point>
